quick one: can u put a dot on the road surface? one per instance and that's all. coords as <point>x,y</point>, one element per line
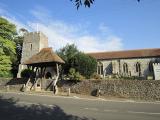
<point>15,106</point>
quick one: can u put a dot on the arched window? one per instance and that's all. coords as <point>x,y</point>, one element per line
<point>31,46</point>
<point>138,68</point>
<point>125,68</point>
<point>108,69</point>
<point>100,68</point>
<point>151,66</point>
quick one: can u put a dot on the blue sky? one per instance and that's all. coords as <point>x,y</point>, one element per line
<point>108,25</point>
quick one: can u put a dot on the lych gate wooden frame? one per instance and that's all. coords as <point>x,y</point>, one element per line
<point>38,64</point>
<point>38,74</point>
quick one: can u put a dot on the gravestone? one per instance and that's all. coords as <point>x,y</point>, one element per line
<point>156,68</point>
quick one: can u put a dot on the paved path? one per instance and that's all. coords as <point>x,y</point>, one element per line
<point>32,107</point>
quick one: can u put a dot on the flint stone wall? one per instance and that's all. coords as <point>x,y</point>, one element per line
<point>135,89</point>
<point>16,84</point>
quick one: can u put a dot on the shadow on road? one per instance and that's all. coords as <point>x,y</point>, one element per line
<point>9,110</point>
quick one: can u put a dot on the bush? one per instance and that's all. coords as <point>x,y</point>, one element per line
<point>85,64</point>
<point>6,74</point>
<point>26,73</point>
<point>96,76</point>
<point>73,75</point>
<point>81,62</point>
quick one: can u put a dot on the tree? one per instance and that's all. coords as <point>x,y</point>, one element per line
<point>86,3</point>
<point>19,42</point>
<point>5,65</point>
<point>7,46</point>
<point>10,46</point>
<point>67,53</point>
<point>7,29</point>
<point>85,64</point>
<point>77,60</point>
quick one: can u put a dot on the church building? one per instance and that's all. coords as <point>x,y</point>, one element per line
<point>137,63</point>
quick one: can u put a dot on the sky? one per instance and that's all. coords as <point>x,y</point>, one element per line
<point>108,25</point>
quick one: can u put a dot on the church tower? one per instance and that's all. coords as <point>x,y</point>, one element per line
<point>33,42</point>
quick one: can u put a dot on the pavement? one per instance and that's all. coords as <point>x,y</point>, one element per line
<point>33,106</point>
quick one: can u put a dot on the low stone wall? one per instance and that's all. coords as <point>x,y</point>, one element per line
<point>16,84</point>
<point>135,89</point>
<point>47,84</point>
<point>4,81</point>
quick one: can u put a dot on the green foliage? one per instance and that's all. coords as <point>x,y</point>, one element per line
<point>68,53</point>
<point>26,73</point>
<point>81,62</point>
<point>7,29</point>
<point>10,46</point>
<point>86,3</point>
<point>121,77</point>
<point>73,75</point>
<point>96,76</point>
<point>5,66</point>
<point>19,42</point>
<point>85,64</point>
<point>7,46</point>
<point>6,74</point>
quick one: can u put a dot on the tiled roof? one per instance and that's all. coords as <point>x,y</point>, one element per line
<point>46,55</point>
<point>126,54</point>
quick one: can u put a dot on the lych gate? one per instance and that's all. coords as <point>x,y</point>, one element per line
<point>38,64</point>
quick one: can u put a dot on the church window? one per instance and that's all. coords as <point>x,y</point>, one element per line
<point>125,68</point>
<point>138,67</point>
<point>151,66</point>
<point>31,46</point>
<point>100,68</point>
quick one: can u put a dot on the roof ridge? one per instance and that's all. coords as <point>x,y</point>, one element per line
<point>48,48</point>
<point>123,50</point>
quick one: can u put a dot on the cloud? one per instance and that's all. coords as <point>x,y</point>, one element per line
<point>18,24</point>
<point>60,33</point>
<point>94,44</point>
<point>5,14</point>
<point>103,28</point>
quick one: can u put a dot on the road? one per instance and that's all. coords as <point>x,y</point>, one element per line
<point>17,106</point>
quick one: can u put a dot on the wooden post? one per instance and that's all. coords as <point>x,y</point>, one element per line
<point>57,69</point>
<point>7,88</point>
<point>55,89</point>
<point>98,92</point>
<point>43,74</point>
<point>24,88</point>
<point>69,92</point>
<point>34,84</point>
<point>41,77</point>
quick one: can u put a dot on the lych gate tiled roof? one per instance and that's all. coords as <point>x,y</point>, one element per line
<point>126,54</point>
<point>46,55</point>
